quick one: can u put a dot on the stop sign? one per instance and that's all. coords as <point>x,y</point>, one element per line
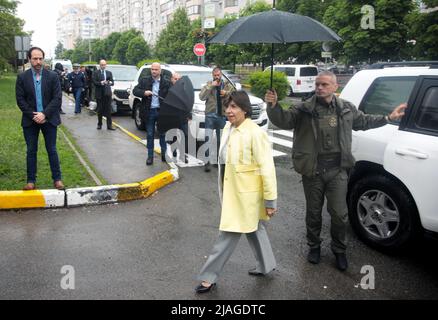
<point>199,49</point>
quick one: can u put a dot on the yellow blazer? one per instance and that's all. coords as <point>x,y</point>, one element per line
<point>249,177</point>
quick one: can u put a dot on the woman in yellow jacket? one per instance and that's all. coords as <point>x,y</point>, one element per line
<point>248,189</point>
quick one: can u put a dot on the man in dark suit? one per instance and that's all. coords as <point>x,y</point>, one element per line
<point>38,94</point>
<point>153,89</point>
<point>103,80</point>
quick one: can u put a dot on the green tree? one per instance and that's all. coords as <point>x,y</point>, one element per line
<point>138,50</point>
<point>59,50</point>
<point>10,26</point>
<point>122,44</point>
<point>98,49</point>
<point>80,52</point>
<point>109,44</point>
<point>305,52</point>
<point>423,32</point>
<point>175,43</point>
<point>387,41</point>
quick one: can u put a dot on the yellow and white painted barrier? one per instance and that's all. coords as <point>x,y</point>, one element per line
<point>119,193</point>
<point>32,199</point>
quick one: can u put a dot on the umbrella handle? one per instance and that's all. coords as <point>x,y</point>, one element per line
<point>156,95</point>
<point>272,62</point>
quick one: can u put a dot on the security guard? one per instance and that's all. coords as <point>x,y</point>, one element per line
<point>322,155</point>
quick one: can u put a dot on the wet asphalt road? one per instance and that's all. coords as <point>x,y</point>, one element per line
<point>153,249</point>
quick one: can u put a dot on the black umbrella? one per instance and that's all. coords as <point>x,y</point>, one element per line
<point>180,96</point>
<point>177,105</point>
<point>274,27</point>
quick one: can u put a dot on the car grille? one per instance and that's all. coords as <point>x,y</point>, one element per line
<point>121,94</point>
<point>256,111</point>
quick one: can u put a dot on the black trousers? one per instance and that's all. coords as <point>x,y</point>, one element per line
<point>104,109</point>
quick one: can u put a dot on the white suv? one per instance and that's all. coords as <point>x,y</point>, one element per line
<point>392,196</point>
<point>199,75</point>
<point>301,77</point>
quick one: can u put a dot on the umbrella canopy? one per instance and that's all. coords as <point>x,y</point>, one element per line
<point>177,105</point>
<point>274,27</point>
<point>181,95</point>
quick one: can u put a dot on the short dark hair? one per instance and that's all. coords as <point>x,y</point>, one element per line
<point>29,53</point>
<point>216,69</point>
<point>241,99</point>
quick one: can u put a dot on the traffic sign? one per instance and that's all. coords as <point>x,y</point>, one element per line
<point>199,49</point>
<point>326,54</point>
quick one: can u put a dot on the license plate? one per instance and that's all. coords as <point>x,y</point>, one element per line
<point>125,102</point>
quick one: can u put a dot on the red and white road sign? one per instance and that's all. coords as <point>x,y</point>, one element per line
<point>199,49</point>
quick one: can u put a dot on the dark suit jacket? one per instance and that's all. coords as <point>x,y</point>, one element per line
<point>26,97</point>
<point>97,79</point>
<point>146,84</point>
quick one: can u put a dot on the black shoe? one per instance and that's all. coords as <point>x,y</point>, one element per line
<point>99,126</point>
<point>314,255</point>
<point>149,161</point>
<point>202,289</point>
<point>341,261</point>
<point>253,272</point>
<point>207,167</point>
<point>111,128</point>
<point>163,157</point>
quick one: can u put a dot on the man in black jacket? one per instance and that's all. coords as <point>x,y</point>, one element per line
<point>39,97</point>
<point>103,80</point>
<point>77,85</point>
<point>153,89</point>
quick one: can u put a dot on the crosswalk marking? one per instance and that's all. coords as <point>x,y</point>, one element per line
<point>194,162</point>
<point>285,133</point>
<point>281,142</point>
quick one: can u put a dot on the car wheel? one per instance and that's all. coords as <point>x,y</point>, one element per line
<point>382,213</point>
<point>139,123</point>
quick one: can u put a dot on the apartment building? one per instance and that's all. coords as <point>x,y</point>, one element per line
<point>75,21</point>
<point>152,16</point>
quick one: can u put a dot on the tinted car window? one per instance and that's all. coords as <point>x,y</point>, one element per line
<point>146,72</point>
<point>428,113</point>
<point>308,72</point>
<point>386,93</point>
<point>198,78</point>
<point>290,72</point>
<point>123,73</point>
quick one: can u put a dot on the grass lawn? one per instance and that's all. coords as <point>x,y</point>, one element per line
<point>13,149</point>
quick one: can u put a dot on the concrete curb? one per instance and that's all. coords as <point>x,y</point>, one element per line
<point>68,198</point>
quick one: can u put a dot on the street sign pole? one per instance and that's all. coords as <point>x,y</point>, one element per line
<point>201,59</point>
<point>22,52</point>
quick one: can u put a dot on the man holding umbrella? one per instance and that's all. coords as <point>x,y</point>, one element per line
<point>322,155</point>
<point>153,89</point>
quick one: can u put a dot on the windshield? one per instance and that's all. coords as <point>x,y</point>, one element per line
<point>123,73</point>
<point>198,78</point>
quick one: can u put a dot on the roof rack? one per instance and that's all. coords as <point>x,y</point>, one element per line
<point>381,65</point>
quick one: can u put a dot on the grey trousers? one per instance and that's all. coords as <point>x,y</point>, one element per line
<point>333,185</point>
<point>222,250</point>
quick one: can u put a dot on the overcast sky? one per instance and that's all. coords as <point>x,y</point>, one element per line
<point>40,16</point>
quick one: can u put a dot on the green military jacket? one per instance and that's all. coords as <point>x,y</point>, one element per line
<point>302,119</point>
<point>208,94</point>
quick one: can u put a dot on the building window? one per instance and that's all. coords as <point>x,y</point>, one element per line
<point>193,10</point>
<point>231,3</point>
